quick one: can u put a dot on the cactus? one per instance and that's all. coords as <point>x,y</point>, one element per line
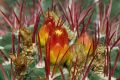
<point>55,39</point>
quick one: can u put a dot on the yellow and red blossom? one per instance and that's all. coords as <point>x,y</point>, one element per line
<point>59,46</point>
<point>59,36</point>
<point>46,30</point>
<point>57,52</point>
<point>51,21</point>
<point>58,39</point>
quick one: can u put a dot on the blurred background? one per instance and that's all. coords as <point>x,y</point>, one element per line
<point>8,5</point>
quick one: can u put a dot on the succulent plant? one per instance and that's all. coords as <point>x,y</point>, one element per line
<point>59,40</point>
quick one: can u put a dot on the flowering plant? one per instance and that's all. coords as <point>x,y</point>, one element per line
<point>59,40</point>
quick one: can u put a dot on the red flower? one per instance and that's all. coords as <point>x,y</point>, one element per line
<point>59,46</point>
<point>46,30</point>
<point>59,36</point>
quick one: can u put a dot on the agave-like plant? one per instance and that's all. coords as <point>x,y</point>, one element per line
<point>54,40</point>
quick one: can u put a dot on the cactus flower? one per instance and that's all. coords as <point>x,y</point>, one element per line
<point>46,30</point>
<point>59,41</point>
<point>87,42</point>
<point>59,46</point>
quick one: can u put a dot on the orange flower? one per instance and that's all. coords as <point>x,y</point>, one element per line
<point>86,41</point>
<point>59,53</point>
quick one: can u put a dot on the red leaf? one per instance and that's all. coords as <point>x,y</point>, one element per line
<point>16,16</point>
<point>109,8</point>
<point>35,27</point>
<point>5,17</point>
<point>4,56</point>
<point>84,13</point>
<point>115,43</point>
<point>4,73</point>
<point>115,63</point>
<point>63,77</point>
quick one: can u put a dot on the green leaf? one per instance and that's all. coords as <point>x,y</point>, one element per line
<point>7,49</point>
<point>93,76</point>
<point>117,70</point>
<point>1,59</point>
<point>34,73</point>
<point>66,76</point>
<point>113,55</point>
<point>7,70</point>
<point>1,75</point>
<point>7,40</point>
<point>46,4</point>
